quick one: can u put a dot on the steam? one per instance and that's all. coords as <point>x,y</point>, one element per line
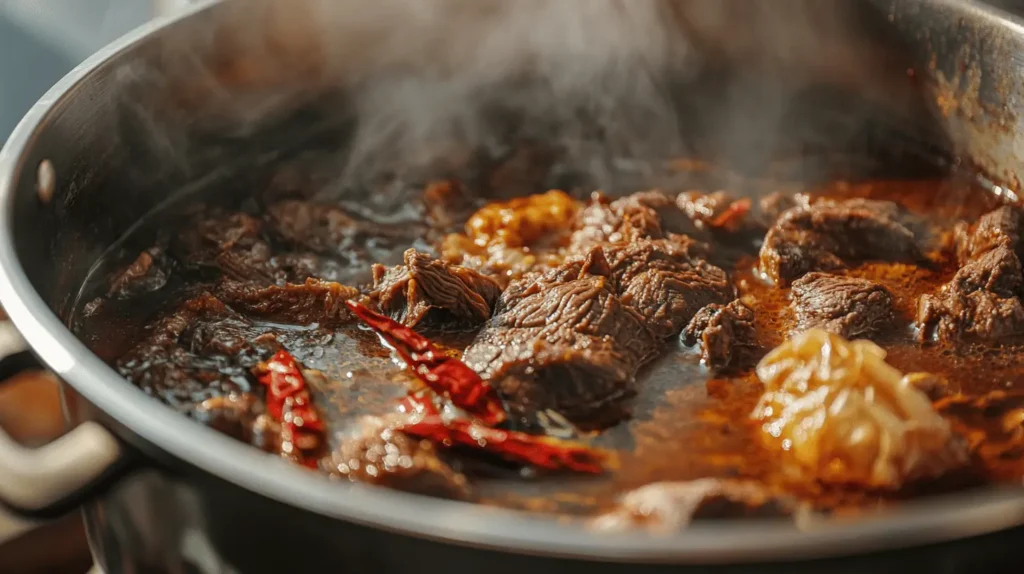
<point>472,75</point>
<point>610,85</point>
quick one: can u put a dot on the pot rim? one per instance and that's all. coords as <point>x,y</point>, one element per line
<point>915,523</point>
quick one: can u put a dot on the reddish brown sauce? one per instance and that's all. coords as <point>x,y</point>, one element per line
<point>687,424</point>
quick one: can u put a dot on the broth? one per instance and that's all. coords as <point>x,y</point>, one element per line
<point>686,422</point>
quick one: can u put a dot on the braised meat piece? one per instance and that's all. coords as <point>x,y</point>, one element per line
<point>182,358</point>
<point>572,339</point>
<point>427,292</point>
<point>646,214</point>
<point>672,506</point>
<point>773,205</point>
<point>828,235</point>
<point>234,244</point>
<point>718,212</point>
<point>998,416</point>
<point>847,306</point>
<point>331,233</point>
<point>314,301</point>
<point>726,335</point>
<point>149,272</point>
<point>666,282</point>
<point>505,240</point>
<point>564,341</point>
<point>300,267</point>
<point>1001,227</point>
<point>446,204</point>
<point>842,415</point>
<point>231,243</point>
<point>326,229</point>
<point>982,301</point>
<point>384,456</point>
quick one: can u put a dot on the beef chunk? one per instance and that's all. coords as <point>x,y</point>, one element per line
<point>672,506</point>
<point>827,235</point>
<point>849,307</point>
<point>773,205</point>
<point>726,334</point>
<point>666,282</point>
<point>149,272</point>
<point>427,292</point>
<point>384,456</point>
<point>330,232</point>
<point>982,301</point>
<point>998,416</point>
<point>230,242</point>
<point>572,339</point>
<point>314,301</point>
<point>1001,227</point>
<point>234,244</point>
<point>297,267</point>
<point>646,214</point>
<point>326,229</point>
<point>718,212</point>
<point>582,377</point>
<point>446,204</point>
<point>564,341</point>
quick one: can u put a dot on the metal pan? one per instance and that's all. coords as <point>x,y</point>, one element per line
<point>167,495</point>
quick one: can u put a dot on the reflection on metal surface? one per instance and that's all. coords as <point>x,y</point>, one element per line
<point>251,472</point>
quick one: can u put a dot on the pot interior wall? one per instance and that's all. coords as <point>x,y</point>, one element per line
<point>147,126</point>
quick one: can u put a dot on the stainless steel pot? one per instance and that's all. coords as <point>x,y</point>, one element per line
<point>145,117</point>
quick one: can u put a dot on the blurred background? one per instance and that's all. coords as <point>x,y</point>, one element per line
<point>40,41</point>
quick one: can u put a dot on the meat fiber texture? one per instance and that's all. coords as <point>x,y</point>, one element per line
<point>572,339</point>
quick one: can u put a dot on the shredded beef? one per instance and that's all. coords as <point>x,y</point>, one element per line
<point>427,292</point>
<point>665,282</point>
<point>847,306</point>
<point>234,244</point>
<point>726,335</point>
<point>314,301</point>
<point>384,456</point>
<point>982,301</point>
<point>828,235</point>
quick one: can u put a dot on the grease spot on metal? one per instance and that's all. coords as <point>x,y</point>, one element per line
<point>46,181</point>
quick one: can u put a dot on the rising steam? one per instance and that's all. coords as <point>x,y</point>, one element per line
<point>603,82</point>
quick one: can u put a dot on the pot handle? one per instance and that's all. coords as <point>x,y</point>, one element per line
<point>50,480</point>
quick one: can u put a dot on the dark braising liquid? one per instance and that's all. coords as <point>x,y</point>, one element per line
<point>685,424</point>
